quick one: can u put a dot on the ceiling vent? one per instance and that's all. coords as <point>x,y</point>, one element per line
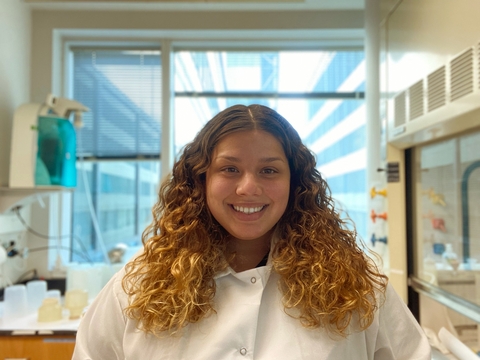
<point>478,58</point>
<point>416,103</point>
<point>400,109</point>
<point>461,75</point>
<point>436,89</point>
<point>443,102</point>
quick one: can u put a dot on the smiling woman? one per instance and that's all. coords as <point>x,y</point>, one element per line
<point>248,256</point>
<point>247,186</point>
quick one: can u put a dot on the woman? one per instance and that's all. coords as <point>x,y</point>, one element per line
<point>248,258</point>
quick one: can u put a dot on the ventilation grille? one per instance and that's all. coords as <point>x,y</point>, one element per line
<point>461,75</point>
<point>456,83</point>
<point>436,89</point>
<point>400,112</point>
<point>415,94</point>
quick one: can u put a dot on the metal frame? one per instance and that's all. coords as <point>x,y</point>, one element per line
<point>454,302</point>
<point>275,95</point>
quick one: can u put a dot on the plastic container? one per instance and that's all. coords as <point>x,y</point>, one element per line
<point>50,310</point>
<point>56,154</point>
<point>36,291</point>
<point>55,294</point>
<point>75,301</point>
<point>15,301</point>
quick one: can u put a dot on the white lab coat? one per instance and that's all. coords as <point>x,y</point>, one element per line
<point>250,323</point>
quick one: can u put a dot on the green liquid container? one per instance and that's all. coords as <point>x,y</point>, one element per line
<point>56,154</point>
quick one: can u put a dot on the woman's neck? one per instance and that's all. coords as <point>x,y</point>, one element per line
<point>248,253</point>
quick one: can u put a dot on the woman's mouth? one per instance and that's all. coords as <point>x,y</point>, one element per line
<point>248,210</point>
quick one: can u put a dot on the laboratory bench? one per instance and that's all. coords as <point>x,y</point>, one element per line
<point>25,338</point>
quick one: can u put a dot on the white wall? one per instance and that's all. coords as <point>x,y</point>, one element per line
<point>424,35</point>
<point>15,26</point>
<point>15,32</point>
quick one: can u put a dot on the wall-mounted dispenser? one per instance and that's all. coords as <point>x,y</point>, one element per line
<point>43,151</point>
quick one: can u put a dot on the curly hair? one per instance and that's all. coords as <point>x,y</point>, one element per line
<point>325,277</point>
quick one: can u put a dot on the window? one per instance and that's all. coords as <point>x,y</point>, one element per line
<point>445,192</point>
<point>320,92</point>
<point>118,148</point>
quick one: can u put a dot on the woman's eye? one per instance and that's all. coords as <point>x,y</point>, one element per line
<point>229,169</point>
<point>269,171</point>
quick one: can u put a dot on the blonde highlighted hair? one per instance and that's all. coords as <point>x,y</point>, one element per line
<point>325,276</point>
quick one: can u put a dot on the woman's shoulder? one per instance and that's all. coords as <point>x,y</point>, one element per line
<point>114,287</point>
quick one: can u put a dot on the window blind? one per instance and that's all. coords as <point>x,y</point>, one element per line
<point>123,91</point>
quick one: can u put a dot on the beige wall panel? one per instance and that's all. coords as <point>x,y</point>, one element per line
<point>196,20</point>
<point>397,227</point>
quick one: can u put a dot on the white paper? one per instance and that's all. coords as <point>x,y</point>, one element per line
<point>456,347</point>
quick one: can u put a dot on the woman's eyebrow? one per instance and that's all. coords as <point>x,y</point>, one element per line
<point>237,160</point>
<point>228,158</point>
<point>271,159</point>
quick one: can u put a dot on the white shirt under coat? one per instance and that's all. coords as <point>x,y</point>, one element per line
<point>250,323</point>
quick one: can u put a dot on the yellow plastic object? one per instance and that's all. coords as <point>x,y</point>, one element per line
<point>374,192</point>
<point>50,310</point>
<point>75,301</point>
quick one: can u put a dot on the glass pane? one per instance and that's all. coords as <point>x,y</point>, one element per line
<point>333,129</point>
<point>277,71</point>
<point>121,194</point>
<point>447,226</point>
<point>149,179</point>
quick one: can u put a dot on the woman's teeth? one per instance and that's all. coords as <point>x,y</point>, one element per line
<point>248,210</point>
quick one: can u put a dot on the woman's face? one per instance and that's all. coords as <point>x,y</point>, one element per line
<point>248,184</point>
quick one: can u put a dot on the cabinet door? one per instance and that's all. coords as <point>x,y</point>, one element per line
<point>37,347</point>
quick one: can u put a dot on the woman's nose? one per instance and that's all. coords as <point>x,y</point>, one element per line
<point>248,185</point>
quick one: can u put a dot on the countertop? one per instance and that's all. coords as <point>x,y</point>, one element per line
<point>28,325</point>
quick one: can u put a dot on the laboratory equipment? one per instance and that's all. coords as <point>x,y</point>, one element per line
<point>43,148</point>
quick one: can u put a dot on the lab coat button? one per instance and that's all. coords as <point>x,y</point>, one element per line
<point>253,280</point>
<point>243,351</point>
